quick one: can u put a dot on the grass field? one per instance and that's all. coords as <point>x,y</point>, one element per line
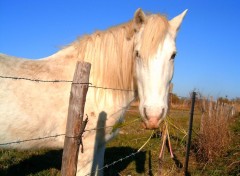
<point>130,139</point>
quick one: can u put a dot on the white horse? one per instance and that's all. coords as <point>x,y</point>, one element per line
<point>138,55</point>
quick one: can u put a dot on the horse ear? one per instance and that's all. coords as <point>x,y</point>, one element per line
<point>175,23</point>
<point>139,19</point>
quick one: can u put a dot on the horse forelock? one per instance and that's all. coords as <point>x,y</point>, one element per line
<point>155,29</point>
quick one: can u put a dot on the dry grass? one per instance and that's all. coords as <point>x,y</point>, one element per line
<point>214,136</point>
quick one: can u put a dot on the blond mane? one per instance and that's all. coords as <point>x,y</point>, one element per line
<point>111,55</point>
<point>111,52</point>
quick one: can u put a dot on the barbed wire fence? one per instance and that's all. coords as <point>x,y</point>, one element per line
<point>90,85</point>
<point>77,137</point>
<point>63,81</point>
<point>84,130</point>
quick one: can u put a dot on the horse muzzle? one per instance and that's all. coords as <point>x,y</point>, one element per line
<point>153,117</point>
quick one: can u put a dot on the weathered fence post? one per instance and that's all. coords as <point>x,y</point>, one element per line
<point>189,134</point>
<point>75,119</point>
<point>170,91</point>
<point>204,110</point>
<point>210,107</point>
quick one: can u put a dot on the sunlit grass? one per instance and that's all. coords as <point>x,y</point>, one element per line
<point>131,137</point>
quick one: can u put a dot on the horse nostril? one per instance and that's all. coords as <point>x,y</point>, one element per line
<point>150,112</point>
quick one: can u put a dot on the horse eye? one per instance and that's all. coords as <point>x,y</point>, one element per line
<point>173,56</point>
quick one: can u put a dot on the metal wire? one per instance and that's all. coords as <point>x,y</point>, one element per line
<point>34,139</point>
<point>63,81</point>
<point>35,80</point>
<point>124,158</point>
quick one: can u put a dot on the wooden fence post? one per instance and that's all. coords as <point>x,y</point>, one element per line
<point>203,117</point>
<point>170,95</point>
<point>75,119</point>
<point>210,107</point>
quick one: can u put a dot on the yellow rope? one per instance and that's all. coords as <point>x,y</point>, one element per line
<point>146,142</point>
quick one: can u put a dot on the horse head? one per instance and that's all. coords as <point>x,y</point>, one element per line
<point>154,53</point>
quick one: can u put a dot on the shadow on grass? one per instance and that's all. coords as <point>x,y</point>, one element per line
<point>51,160</point>
<point>115,153</point>
<point>34,164</point>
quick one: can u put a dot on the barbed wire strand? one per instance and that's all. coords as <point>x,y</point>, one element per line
<point>33,139</point>
<point>63,81</point>
<point>86,130</point>
<point>124,158</point>
<point>106,166</point>
<point>68,81</point>
<point>58,135</point>
<point>54,136</point>
<point>35,80</point>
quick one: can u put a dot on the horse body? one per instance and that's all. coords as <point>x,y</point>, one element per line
<point>37,110</point>
<point>120,60</point>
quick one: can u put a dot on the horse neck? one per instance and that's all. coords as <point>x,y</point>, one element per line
<point>111,56</point>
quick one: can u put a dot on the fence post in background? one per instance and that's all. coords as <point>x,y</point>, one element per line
<point>170,95</point>
<point>210,107</point>
<point>217,108</point>
<point>189,133</point>
<point>204,109</point>
<point>233,110</point>
<point>75,119</point>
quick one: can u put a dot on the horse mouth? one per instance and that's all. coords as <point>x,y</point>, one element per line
<point>151,125</point>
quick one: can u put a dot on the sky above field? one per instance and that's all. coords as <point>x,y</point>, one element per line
<point>208,41</point>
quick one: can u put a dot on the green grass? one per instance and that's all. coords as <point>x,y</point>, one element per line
<point>37,162</point>
<point>130,139</point>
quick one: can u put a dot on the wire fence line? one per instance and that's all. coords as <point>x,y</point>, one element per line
<point>124,158</point>
<point>78,136</point>
<point>87,130</point>
<point>37,80</point>
<point>120,125</point>
<point>133,154</point>
<point>62,81</point>
<point>59,135</point>
<point>65,81</point>
<point>116,126</point>
<point>33,139</point>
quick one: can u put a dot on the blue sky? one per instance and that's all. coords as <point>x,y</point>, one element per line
<point>208,42</point>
